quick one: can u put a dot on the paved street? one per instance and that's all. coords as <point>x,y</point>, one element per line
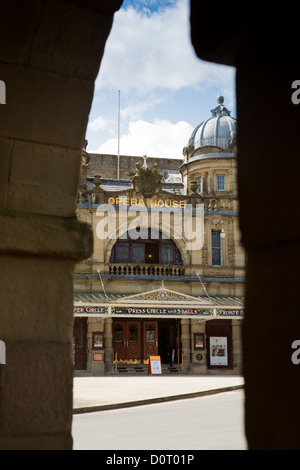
<point>95,393</point>
<point>212,422</point>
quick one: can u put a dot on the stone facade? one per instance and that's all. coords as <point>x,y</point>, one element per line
<point>37,56</point>
<point>154,194</point>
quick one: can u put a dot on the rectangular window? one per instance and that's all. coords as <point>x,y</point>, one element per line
<point>167,254</point>
<point>151,253</point>
<point>122,253</point>
<point>220,182</point>
<point>138,252</point>
<point>216,248</point>
<point>118,333</point>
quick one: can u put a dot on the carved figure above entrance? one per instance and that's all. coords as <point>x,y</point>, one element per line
<point>145,180</point>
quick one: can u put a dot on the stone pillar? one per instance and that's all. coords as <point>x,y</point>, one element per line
<point>273,257</point>
<point>198,357</point>
<point>50,54</point>
<point>210,183</point>
<point>95,357</point>
<point>237,347</point>
<point>268,146</point>
<point>108,345</point>
<point>186,345</point>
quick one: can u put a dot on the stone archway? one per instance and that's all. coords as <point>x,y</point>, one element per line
<point>49,57</point>
<point>179,243</point>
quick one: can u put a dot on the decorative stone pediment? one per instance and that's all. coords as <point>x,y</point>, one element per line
<point>162,295</point>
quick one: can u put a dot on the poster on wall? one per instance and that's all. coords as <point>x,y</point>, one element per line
<point>218,351</point>
<point>198,340</point>
<point>98,340</point>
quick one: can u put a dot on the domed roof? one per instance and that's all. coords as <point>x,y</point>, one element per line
<point>219,130</point>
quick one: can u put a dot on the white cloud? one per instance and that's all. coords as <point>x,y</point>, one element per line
<point>158,139</point>
<point>146,52</point>
<point>99,124</point>
<point>141,103</point>
<point>150,59</point>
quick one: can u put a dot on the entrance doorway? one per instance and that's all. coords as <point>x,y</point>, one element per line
<point>127,341</point>
<point>169,340</point>
<point>150,339</point>
<point>136,340</point>
<point>80,343</point>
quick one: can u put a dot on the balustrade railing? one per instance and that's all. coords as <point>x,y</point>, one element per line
<point>120,269</point>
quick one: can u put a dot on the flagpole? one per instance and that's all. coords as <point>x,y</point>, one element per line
<point>118,169</point>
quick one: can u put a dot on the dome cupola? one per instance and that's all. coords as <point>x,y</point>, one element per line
<point>220,130</point>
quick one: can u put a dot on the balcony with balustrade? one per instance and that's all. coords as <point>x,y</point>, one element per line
<point>146,270</point>
<point>147,258</point>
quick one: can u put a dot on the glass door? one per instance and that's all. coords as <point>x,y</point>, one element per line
<point>127,343</point>
<point>150,339</point>
<point>133,343</point>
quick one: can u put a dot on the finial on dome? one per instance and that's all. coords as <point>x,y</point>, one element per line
<point>220,110</point>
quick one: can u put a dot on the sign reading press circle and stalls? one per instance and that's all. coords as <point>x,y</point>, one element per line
<point>161,311</point>
<point>94,310</point>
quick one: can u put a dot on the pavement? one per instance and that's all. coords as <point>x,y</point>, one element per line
<point>113,392</point>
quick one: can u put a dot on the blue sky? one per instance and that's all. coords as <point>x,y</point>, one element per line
<point>165,90</point>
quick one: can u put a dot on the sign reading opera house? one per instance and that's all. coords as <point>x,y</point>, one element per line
<point>167,273</point>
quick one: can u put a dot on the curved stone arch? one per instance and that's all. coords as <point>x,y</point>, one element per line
<point>184,253</point>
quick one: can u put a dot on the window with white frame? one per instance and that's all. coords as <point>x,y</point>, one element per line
<point>220,182</point>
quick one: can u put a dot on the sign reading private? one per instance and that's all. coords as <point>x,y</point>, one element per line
<point>230,312</point>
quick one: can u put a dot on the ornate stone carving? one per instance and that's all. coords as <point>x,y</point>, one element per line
<point>145,180</point>
<point>162,295</point>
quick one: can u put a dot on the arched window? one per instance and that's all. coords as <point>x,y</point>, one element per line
<point>155,250</point>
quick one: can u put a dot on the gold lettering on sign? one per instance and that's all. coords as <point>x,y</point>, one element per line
<point>125,201</point>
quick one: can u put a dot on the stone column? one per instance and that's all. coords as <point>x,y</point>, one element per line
<point>108,345</point>
<point>210,183</point>
<point>198,357</point>
<point>50,54</point>
<point>186,345</point>
<point>270,233</point>
<point>268,146</point>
